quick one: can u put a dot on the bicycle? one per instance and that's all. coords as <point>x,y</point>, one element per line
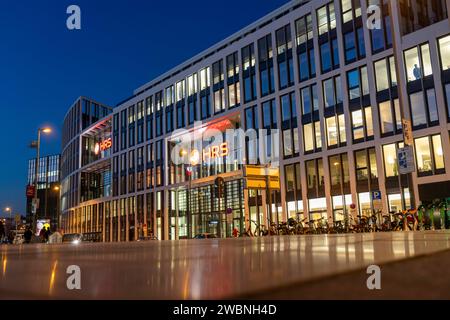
<point>260,230</point>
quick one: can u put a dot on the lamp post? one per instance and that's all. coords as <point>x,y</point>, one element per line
<point>9,210</point>
<point>37,145</point>
<point>194,159</point>
<point>393,8</point>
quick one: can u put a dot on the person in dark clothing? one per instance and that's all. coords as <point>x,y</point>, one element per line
<point>2,230</point>
<point>28,235</point>
<point>46,235</point>
<point>42,235</point>
<point>417,72</point>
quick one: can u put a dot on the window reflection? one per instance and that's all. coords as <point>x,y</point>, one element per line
<point>444,48</point>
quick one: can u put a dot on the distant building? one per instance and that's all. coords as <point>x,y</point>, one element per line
<point>48,180</point>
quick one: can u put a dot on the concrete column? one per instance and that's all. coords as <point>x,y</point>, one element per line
<point>246,211</point>
<point>98,218</point>
<point>119,215</point>
<point>166,221</point>
<point>448,11</point>
<point>284,213</point>
<point>144,203</point>
<point>265,211</point>
<point>177,210</point>
<point>326,170</point>
<point>136,222</point>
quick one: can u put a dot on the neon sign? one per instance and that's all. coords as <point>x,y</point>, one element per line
<point>103,145</point>
<point>216,151</point>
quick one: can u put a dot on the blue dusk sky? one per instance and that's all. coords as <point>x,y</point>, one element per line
<point>122,45</point>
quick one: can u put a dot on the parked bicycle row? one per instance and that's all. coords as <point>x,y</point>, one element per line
<point>411,220</point>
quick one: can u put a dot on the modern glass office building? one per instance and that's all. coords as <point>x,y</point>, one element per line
<point>319,86</point>
<point>48,178</point>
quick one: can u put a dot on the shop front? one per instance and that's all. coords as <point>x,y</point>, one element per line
<point>202,210</point>
<point>205,175</point>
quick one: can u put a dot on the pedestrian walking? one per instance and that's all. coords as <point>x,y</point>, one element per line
<point>28,235</point>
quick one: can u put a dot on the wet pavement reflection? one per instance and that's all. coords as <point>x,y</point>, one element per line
<point>200,269</point>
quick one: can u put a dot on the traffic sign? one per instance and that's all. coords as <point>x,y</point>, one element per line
<point>376,201</point>
<point>376,195</point>
<point>35,205</point>
<point>405,158</point>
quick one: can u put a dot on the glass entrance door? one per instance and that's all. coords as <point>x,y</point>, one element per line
<point>255,209</point>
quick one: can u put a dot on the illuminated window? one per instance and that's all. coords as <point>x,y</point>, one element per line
<point>234,92</point>
<point>390,117</point>
<point>429,155</point>
<point>339,172</point>
<point>341,206</point>
<point>318,137</point>
<point>358,125</point>
<point>444,48</point>
<point>308,137</point>
<point>192,84</point>
<point>390,159</point>
<point>205,78</point>
<point>336,134</point>
<point>342,129</point>
<point>362,124</point>
<point>326,18</point>
<point>312,137</point>
<point>332,131</point>
<point>418,62</point>
<point>304,28</point>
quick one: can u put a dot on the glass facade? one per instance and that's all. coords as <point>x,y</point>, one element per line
<point>307,84</point>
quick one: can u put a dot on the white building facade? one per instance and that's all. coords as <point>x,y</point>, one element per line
<point>321,76</point>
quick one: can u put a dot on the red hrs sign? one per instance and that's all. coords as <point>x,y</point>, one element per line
<point>103,145</point>
<point>216,151</point>
<point>30,191</point>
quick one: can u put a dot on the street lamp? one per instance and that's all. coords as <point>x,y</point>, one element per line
<point>37,145</point>
<point>9,210</point>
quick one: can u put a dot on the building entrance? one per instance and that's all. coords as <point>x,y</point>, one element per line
<point>198,210</point>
